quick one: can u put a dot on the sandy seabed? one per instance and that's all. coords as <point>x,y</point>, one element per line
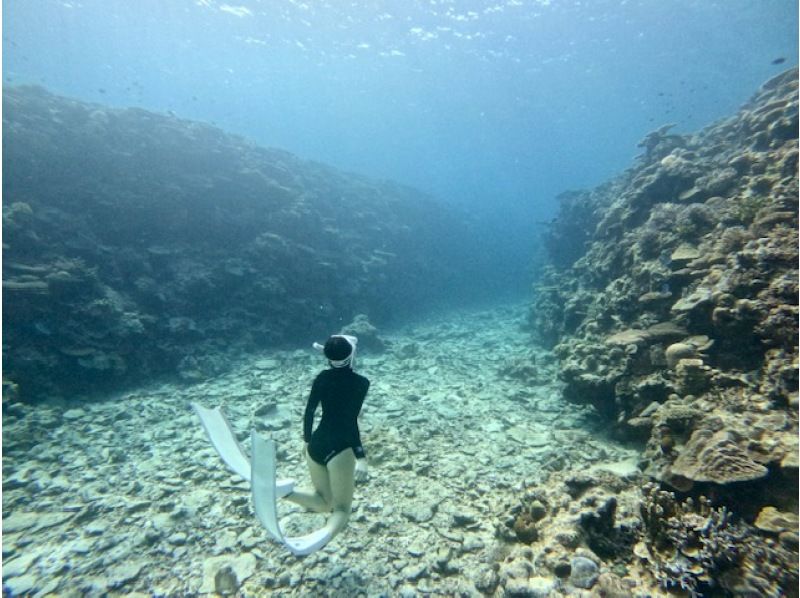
<point>127,497</point>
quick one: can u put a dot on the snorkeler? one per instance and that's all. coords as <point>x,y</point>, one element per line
<point>334,452</point>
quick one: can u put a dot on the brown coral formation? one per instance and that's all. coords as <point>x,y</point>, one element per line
<point>679,321</point>
<point>629,541</point>
<point>713,457</point>
<point>139,245</point>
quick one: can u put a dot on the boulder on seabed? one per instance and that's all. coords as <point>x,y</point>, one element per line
<point>366,333</point>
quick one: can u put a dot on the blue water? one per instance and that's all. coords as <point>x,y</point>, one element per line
<point>494,106</point>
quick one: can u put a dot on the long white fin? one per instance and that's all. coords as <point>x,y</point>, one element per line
<point>265,499</point>
<point>221,435</point>
<point>261,475</point>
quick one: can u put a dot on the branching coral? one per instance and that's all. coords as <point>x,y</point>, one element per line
<point>693,546</point>
<point>688,544</point>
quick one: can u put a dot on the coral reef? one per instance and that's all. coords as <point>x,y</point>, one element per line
<point>579,534</point>
<point>678,324</point>
<point>138,245</point>
<point>695,547</point>
<point>607,533</point>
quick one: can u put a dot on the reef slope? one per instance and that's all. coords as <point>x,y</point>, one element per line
<point>138,244</point>
<point>677,319</point>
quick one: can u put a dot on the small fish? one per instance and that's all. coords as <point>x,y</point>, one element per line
<point>780,60</point>
<point>101,90</point>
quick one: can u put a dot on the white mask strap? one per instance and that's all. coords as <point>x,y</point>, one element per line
<point>350,359</point>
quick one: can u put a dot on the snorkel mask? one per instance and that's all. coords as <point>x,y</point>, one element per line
<point>350,360</point>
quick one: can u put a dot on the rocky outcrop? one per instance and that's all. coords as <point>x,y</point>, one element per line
<point>679,321</point>
<point>138,244</point>
<point>619,536</point>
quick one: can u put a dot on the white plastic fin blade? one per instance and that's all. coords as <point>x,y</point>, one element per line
<point>262,482</point>
<point>221,435</point>
<point>302,545</point>
<point>265,496</point>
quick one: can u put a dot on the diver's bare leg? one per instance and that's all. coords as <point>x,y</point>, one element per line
<point>320,499</point>
<point>341,475</point>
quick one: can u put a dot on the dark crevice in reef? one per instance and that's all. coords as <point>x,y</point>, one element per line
<point>671,302</point>
<point>139,245</point>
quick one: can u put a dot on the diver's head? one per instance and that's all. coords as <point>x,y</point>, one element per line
<point>340,350</point>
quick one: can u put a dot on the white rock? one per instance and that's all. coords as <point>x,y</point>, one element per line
<point>18,521</point>
<point>266,364</point>
<point>177,539</point>
<point>19,566</point>
<point>73,414</point>
<point>119,575</point>
<point>248,539</point>
<point>96,528</point>
<point>20,586</point>
<point>81,547</point>
<point>415,571</point>
<point>620,468</point>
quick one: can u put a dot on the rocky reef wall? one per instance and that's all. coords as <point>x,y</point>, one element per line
<point>677,319</point>
<point>139,244</point>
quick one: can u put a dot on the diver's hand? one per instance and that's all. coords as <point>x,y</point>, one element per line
<point>361,470</point>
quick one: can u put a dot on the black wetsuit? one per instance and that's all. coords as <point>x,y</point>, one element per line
<point>341,392</point>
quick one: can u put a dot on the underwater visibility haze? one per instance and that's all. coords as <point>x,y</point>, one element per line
<point>500,105</point>
<point>564,233</point>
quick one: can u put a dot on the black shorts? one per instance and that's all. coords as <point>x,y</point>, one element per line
<point>321,450</point>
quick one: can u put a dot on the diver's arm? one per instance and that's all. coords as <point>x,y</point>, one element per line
<point>361,455</point>
<point>311,407</point>
<point>361,459</point>
<point>355,433</point>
